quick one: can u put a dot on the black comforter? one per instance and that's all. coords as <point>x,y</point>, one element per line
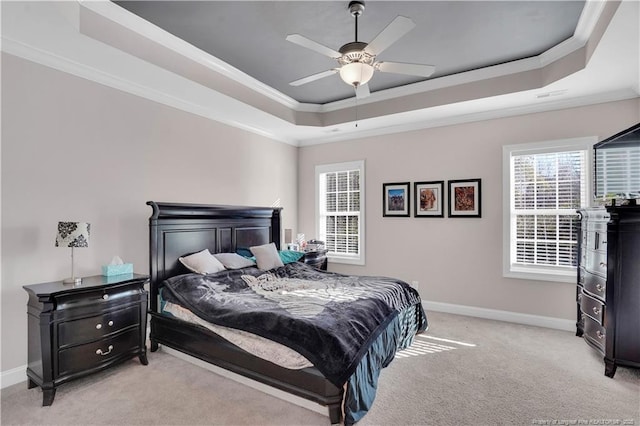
<point>331,319</point>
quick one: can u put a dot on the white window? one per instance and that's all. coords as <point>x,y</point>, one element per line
<point>340,210</point>
<point>544,184</point>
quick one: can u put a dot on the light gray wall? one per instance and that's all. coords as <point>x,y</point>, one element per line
<point>75,150</point>
<point>456,261</point>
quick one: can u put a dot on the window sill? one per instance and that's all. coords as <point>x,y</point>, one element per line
<point>534,274</point>
<point>345,260</point>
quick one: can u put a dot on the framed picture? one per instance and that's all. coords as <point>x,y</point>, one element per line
<point>465,198</point>
<point>396,199</point>
<point>429,199</point>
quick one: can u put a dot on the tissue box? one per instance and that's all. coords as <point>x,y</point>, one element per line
<point>110,270</point>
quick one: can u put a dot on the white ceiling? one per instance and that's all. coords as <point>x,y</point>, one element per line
<point>103,42</point>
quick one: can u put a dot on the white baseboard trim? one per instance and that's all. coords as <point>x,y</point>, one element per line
<point>494,314</point>
<point>13,376</point>
<point>285,396</point>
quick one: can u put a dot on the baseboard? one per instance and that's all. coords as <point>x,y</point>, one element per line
<point>285,396</point>
<point>13,376</point>
<point>494,314</point>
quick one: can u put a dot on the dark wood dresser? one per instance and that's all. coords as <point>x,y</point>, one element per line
<point>316,258</point>
<point>608,290</point>
<point>76,330</point>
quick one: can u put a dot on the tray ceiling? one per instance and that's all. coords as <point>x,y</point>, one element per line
<point>230,62</point>
<point>454,36</point>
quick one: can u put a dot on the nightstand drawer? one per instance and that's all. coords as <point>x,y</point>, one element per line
<point>316,258</point>
<point>84,357</point>
<point>94,328</point>
<point>108,296</point>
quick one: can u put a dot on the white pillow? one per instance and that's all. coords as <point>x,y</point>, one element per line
<point>267,256</point>
<point>202,262</point>
<point>234,260</point>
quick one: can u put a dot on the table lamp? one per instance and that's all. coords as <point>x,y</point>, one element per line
<point>73,234</point>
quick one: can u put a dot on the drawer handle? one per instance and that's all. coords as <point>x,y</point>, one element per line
<point>599,287</point>
<point>99,351</point>
<point>596,310</point>
<point>105,296</point>
<point>603,264</point>
<point>600,334</point>
<point>99,326</point>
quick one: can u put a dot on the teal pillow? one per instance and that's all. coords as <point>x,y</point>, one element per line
<point>290,256</point>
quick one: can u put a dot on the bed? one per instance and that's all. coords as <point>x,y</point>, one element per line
<point>177,229</point>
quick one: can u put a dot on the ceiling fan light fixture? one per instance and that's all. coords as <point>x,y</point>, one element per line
<point>356,73</point>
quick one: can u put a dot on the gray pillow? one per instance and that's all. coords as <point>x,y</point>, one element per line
<point>202,262</point>
<point>234,260</point>
<point>267,256</point>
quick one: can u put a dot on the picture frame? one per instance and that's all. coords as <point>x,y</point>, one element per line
<point>465,198</point>
<point>428,199</point>
<point>396,199</point>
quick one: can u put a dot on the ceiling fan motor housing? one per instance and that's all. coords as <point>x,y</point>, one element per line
<point>354,52</point>
<point>356,8</point>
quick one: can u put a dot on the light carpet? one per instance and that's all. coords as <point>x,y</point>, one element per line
<point>462,371</point>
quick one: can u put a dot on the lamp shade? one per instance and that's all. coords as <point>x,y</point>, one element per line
<point>356,73</point>
<point>73,234</point>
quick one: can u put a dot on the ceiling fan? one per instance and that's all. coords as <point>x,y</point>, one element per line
<point>357,59</point>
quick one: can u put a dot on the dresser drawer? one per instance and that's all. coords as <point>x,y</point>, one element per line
<point>597,262</point>
<point>594,332</point>
<point>593,308</point>
<point>96,327</point>
<point>599,225</point>
<point>85,357</point>
<point>594,284</point>
<point>597,240</point>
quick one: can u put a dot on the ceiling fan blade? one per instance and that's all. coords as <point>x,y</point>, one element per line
<point>314,77</point>
<point>392,33</point>
<point>404,68</point>
<point>362,91</point>
<point>313,45</point>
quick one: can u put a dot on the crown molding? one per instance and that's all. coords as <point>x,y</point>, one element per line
<point>131,21</point>
<point>425,122</point>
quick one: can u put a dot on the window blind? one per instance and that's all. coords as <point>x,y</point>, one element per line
<point>340,217</point>
<point>547,189</point>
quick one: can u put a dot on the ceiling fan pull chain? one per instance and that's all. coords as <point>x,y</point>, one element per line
<point>356,108</point>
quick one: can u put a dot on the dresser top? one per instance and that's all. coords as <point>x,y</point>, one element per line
<point>95,281</point>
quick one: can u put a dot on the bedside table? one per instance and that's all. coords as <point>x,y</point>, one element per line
<point>78,330</point>
<point>316,258</point>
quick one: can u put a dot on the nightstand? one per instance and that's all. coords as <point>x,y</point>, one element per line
<point>316,258</point>
<point>78,330</point>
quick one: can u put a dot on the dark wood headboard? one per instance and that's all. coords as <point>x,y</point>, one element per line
<point>177,229</point>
